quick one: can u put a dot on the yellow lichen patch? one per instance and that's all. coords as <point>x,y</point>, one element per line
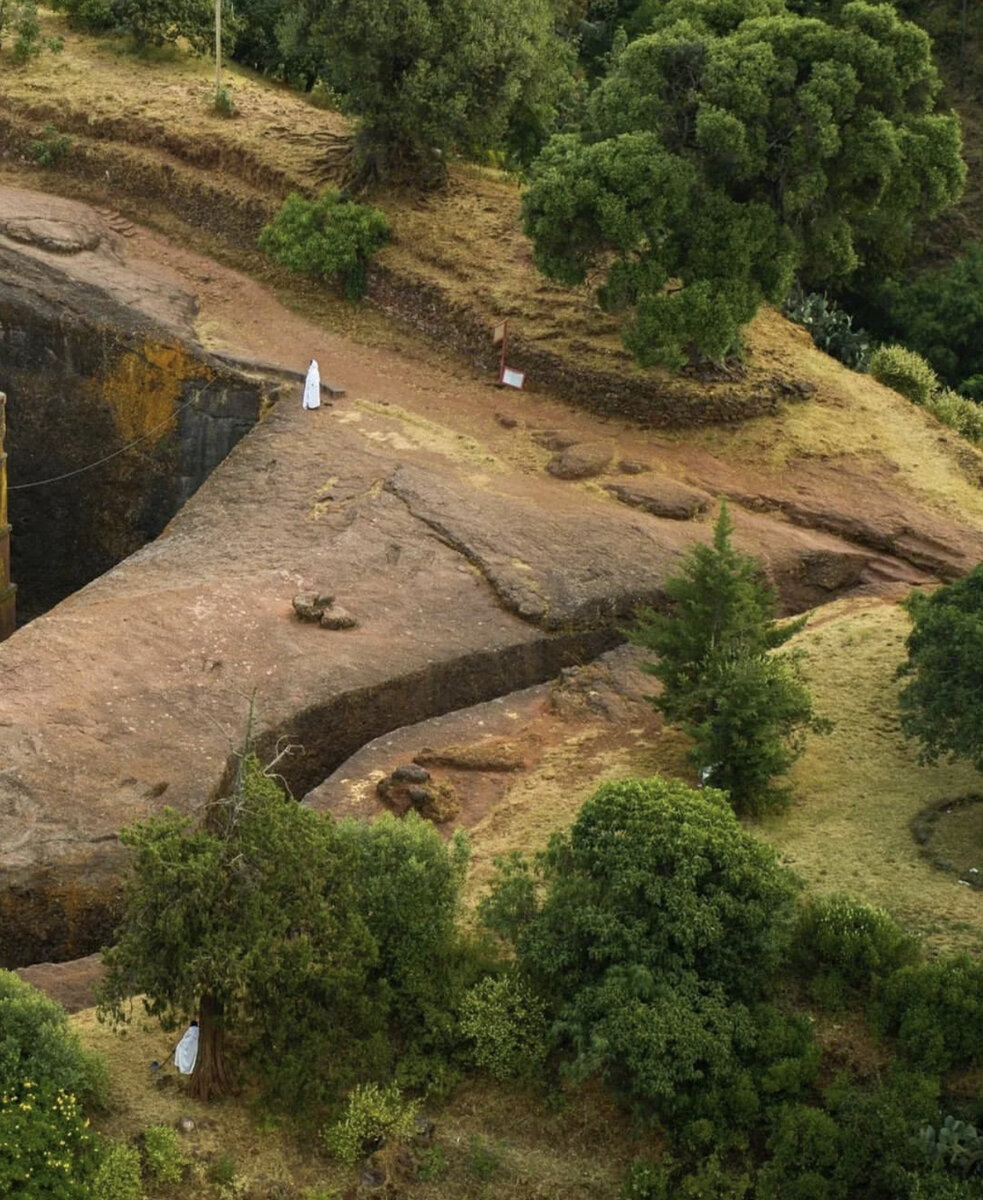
<point>143,389</point>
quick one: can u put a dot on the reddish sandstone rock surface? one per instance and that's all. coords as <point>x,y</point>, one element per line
<point>472,572</point>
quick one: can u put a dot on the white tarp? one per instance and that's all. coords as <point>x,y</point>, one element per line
<point>312,386</point>
<point>187,1051</point>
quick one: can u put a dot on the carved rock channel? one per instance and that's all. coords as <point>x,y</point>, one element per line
<point>467,585</point>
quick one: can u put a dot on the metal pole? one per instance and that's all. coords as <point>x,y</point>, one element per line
<point>218,48</point>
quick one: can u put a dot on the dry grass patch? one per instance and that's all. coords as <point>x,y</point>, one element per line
<point>857,789</point>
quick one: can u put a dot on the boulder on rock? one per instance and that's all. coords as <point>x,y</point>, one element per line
<point>310,606</point>
<point>581,461</point>
<point>337,617</point>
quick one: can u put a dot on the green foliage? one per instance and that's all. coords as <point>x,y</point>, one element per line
<point>955,1145</point>
<point>28,43</point>
<point>224,105</point>
<point>963,415</point>
<point>745,708</point>
<point>942,702</point>
<point>36,1043</point>
<point>373,1114</point>
<point>228,919</point>
<point>162,1155</point>
<point>650,930</point>
<point>223,1171</point>
<point>935,1011</point>
<point>47,1151</point>
<point>680,191</point>
<point>331,237</point>
<point>938,313</point>
<point>432,77</point>
<point>118,1174</point>
<point>804,1149</point>
<point>157,22</point>
<point>506,1021</point>
<point>483,1159</point>
<point>847,948</point>
<point>93,16</point>
<point>830,327</point>
<point>51,147</point>
<point>905,371</point>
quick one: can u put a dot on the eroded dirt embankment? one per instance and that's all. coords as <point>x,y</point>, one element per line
<point>427,510</point>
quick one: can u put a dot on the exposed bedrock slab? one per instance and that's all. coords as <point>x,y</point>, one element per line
<point>469,579</point>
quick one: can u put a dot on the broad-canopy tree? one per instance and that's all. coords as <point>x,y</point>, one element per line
<point>653,930</point>
<point>426,77</point>
<point>942,701</point>
<point>330,948</point>
<point>732,147</point>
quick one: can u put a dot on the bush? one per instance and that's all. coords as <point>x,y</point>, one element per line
<point>162,1155</point>
<point>958,412</point>
<point>93,16</point>
<point>224,105</point>
<point>804,1149</point>
<point>328,238</point>
<point>47,1151</point>
<point>51,147</point>
<point>36,1043</point>
<point>507,1023</point>
<point>831,328</point>
<point>905,371</point>
<point>846,947</point>
<point>27,44</point>
<point>118,1174</point>
<point>373,1115</point>
<point>935,1010</point>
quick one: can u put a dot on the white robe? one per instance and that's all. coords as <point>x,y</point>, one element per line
<point>186,1053</point>
<point>312,386</point>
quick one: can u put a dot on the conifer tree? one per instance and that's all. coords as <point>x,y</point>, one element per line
<point>745,707</point>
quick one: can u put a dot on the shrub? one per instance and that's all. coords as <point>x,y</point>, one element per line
<point>162,1155</point>
<point>36,1043</point>
<point>958,412</point>
<point>27,44</point>
<point>507,1023</point>
<point>93,16</point>
<point>51,147</point>
<point>844,946</point>
<point>956,1145</point>
<point>905,371</point>
<point>373,1115</point>
<point>47,1151</point>
<point>935,1010</point>
<point>224,105</point>
<point>328,238</point>
<point>804,1149</point>
<point>831,328</point>
<point>118,1174</point>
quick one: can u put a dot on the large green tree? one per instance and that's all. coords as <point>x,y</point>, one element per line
<point>942,701</point>
<point>653,930</point>
<point>330,948</point>
<point>745,707</point>
<point>256,903</point>
<point>731,147</point>
<point>427,77</point>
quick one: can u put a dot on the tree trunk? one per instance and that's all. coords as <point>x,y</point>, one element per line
<point>210,1077</point>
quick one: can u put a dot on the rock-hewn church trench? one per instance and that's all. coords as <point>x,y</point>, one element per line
<point>465,584</point>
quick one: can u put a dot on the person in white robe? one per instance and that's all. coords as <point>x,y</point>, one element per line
<point>186,1051</point>
<point>312,386</point>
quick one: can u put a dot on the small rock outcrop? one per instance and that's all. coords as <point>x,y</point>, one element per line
<point>662,497</point>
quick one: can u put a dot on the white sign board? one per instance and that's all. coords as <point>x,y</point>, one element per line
<point>512,378</point>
